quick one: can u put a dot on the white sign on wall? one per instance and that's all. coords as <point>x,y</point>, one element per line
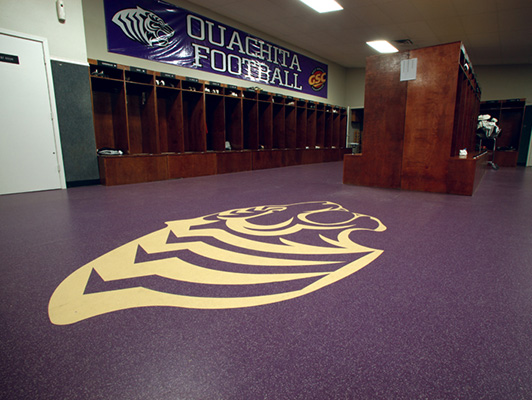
<point>409,69</point>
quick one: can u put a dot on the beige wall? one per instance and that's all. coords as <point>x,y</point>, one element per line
<point>93,12</point>
<point>497,82</point>
<point>355,84</point>
<point>500,82</point>
<point>66,41</point>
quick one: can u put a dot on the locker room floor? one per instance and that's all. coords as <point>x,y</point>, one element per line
<point>443,312</point>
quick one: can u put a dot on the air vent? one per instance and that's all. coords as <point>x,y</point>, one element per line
<point>404,42</point>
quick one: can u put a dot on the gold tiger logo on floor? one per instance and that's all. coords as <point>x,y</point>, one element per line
<point>237,258</point>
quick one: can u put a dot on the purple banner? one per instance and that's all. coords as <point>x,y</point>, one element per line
<point>162,32</point>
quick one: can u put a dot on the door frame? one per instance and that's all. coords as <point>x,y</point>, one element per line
<point>51,95</point>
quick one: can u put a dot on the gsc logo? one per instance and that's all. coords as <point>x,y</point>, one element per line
<point>317,79</point>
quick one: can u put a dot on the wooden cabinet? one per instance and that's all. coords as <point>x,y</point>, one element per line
<point>414,129</point>
<point>510,115</point>
<point>172,127</point>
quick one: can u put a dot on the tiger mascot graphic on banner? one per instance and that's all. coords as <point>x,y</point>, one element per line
<point>144,27</point>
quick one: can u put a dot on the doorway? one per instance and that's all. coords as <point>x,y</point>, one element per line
<point>30,152</point>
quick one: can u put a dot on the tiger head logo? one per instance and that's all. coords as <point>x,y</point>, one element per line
<point>144,27</point>
<point>243,257</point>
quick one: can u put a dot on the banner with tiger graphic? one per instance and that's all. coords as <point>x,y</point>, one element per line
<point>159,31</point>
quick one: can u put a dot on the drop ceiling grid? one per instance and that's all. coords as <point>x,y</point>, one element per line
<point>340,36</point>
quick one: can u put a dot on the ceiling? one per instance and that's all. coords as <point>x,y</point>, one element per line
<point>493,31</point>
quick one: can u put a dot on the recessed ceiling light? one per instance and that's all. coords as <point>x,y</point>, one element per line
<point>323,6</point>
<point>382,46</point>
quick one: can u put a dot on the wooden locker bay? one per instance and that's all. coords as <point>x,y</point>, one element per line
<point>172,127</point>
<point>510,114</point>
<point>414,129</point>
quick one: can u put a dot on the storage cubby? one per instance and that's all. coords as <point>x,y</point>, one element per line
<point>311,125</point>
<point>194,121</point>
<point>250,94</point>
<point>279,125</point>
<point>142,127</point>
<point>214,89</point>
<point>320,125</point>
<point>102,69</point>
<point>301,130</point>
<point>215,121</point>
<point>328,126</point>
<point>511,123</point>
<point>172,127</point>
<point>233,91</point>
<point>265,125</point>
<point>192,85</point>
<point>336,128</point>
<point>278,99</point>
<point>356,129</point>
<point>233,122</point>
<point>170,119</point>
<point>109,114</point>
<point>342,132</point>
<point>510,115</point>
<point>265,96</point>
<point>139,75</point>
<point>167,80</point>
<point>467,104</point>
<point>250,118</point>
<point>290,120</point>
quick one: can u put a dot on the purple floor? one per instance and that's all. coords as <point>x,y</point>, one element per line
<point>444,313</point>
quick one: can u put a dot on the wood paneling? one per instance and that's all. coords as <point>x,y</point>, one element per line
<point>414,129</point>
<point>465,174</point>
<point>429,119</point>
<point>233,161</point>
<point>191,165</point>
<point>263,159</point>
<point>132,169</point>
<point>384,117</point>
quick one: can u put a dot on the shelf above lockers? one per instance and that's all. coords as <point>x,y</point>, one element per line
<point>167,81</point>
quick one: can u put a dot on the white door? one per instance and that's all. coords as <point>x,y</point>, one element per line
<point>28,151</point>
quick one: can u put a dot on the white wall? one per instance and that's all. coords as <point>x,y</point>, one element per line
<point>93,12</point>
<point>66,41</point>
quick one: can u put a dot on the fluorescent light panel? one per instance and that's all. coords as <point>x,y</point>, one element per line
<point>382,46</point>
<point>323,6</point>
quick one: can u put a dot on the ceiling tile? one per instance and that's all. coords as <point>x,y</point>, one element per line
<point>511,4</point>
<point>472,7</point>
<point>372,16</point>
<point>511,20</point>
<point>435,8</point>
<point>419,32</point>
<point>401,11</point>
<point>481,23</point>
<point>489,28</point>
<point>447,29</point>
